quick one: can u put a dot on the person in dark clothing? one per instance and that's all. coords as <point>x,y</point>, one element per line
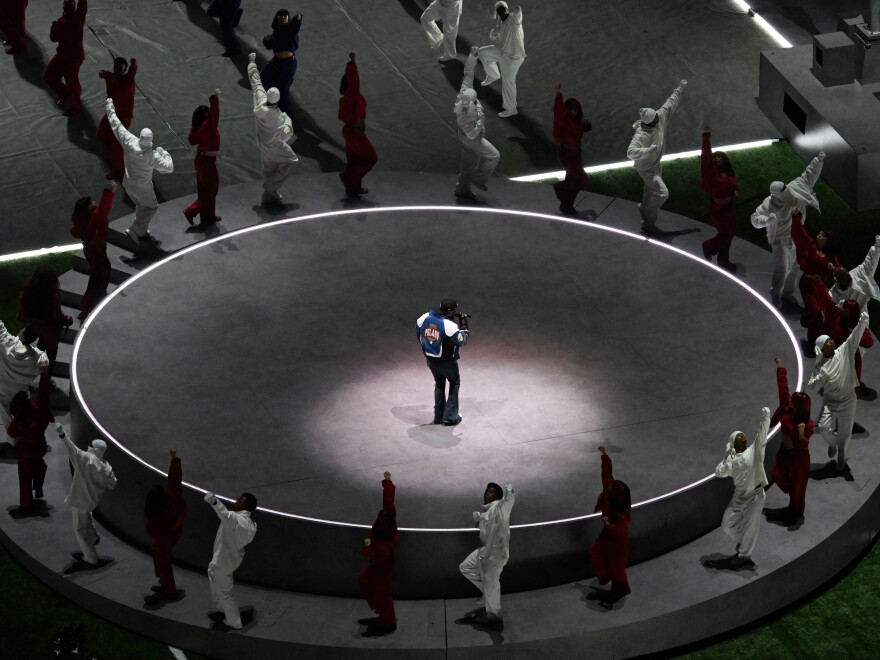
<point>281,69</point>
<point>90,224</point>
<point>30,417</point>
<point>229,12</point>
<point>609,550</point>
<point>205,135</point>
<point>441,338</point>
<point>67,32</point>
<point>164,513</point>
<point>375,579</point>
<point>39,306</point>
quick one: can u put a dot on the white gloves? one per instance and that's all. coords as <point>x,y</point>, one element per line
<point>821,156</point>
<point>474,51</point>
<point>509,488</point>
<point>683,83</point>
<point>252,58</point>
<point>476,516</point>
<point>210,499</point>
<point>59,430</point>
<point>765,412</point>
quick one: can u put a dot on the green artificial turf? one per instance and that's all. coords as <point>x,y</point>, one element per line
<point>32,614</point>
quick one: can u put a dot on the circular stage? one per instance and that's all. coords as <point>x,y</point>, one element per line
<point>282,360</point>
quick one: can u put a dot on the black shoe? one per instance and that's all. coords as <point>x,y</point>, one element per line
<point>729,266</point>
<point>707,254</point>
<point>355,192</point>
<point>452,422</point>
<point>489,621</point>
<point>465,195</point>
<point>569,210</point>
<point>858,428</point>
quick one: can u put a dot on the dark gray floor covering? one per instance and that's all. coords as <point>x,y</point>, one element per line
<point>614,56</point>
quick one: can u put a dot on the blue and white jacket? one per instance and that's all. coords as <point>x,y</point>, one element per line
<point>440,337</point>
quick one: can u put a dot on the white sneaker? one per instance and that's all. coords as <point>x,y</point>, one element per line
<point>508,113</point>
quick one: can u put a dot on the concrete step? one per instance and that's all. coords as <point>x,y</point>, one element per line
<point>117,275</point>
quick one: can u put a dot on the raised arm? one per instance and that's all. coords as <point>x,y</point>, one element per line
<point>607,471</point>
<point>763,428</point>
<point>851,344</point>
<point>802,242</point>
<point>125,138</point>
<point>674,99</point>
<point>256,84</point>
<point>811,174</point>
<point>132,70</point>
<point>353,77</point>
<point>508,500</point>
<point>82,8</point>
<point>174,485</point>
<point>467,80</point>
<point>388,490</point>
<point>707,164</point>
<point>213,110</point>
<point>222,512</point>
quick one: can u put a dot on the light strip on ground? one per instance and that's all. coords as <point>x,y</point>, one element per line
<point>769,29</point>
<point>40,252</point>
<point>74,377</point>
<point>628,163</point>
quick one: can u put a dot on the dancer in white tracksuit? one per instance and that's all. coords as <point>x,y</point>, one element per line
<point>20,364</point>
<point>835,375</point>
<point>235,532</point>
<point>449,12</point>
<point>274,129</point>
<point>478,157</point>
<point>92,475</point>
<point>774,214</point>
<point>742,518</point>
<point>858,284</point>
<point>140,161</point>
<point>506,54</point>
<point>484,565</point>
<point>646,148</point>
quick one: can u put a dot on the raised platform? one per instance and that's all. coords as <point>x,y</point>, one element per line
<point>675,601</point>
<point>283,357</point>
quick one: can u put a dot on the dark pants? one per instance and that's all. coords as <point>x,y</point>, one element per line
<point>69,89</point>
<point>445,408</point>
<point>99,278</point>
<point>279,73</point>
<point>31,473</point>
<point>229,13</point>
<point>162,547</point>
<point>575,178</point>
<point>724,219</point>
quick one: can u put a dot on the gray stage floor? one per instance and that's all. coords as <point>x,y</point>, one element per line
<point>615,57</point>
<point>285,359</point>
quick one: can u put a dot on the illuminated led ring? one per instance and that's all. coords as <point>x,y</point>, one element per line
<point>74,381</point>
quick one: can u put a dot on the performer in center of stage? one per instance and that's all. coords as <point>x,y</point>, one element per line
<point>274,129</point>
<point>742,519</point>
<point>569,127</point>
<point>717,179</point>
<point>608,552</point>
<point>359,152</point>
<point>646,150</point>
<point>375,580</point>
<point>479,157</point>
<point>441,338</point>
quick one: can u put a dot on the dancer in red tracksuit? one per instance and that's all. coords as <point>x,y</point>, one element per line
<point>90,223</point>
<point>609,550</point>
<point>39,306</point>
<point>205,135</point>
<point>12,22</point>
<point>163,514</point>
<point>375,579</point>
<point>717,179</point>
<point>30,417</point>
<point>569,127</point>
<point>67,31</point>
<point>120,88</point>
<point>359,152</point>
<point>791,469</point>
<point>816,259</point>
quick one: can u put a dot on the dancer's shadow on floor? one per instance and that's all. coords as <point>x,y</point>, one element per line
<point>495,633</point>
<point>830,471</point>
<point>8,453</point>
<point>79,565</point>
<point>719,562</point>
<point>669,235</point>
<point>783,517</point>
<point>248,618</point>
<point>599,599</point>
<point>30,64</point>
<point>276,212</point>
<point>39,509</point>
